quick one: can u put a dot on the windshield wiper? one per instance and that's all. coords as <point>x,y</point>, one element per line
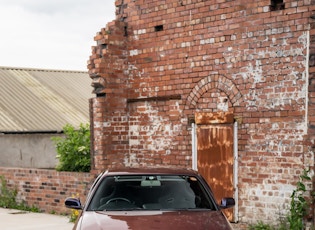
<point>189,209</point>
<point>120,209</point>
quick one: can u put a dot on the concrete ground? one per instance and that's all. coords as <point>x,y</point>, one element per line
<point>11,219</point>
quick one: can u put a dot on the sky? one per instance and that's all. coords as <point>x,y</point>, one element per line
<point>50,34</point>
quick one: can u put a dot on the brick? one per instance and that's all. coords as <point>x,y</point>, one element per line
<point>47,189</point>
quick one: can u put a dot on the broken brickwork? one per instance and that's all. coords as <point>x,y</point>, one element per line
<point>160,62</point>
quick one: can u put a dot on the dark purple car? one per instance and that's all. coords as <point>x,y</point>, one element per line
<point>157,198</point>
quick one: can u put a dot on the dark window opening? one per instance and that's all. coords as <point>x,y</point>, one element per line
<point>100,94</point>
<point>102,47</point>
<point>276,5</point>
<point>125,31</point>
<point>158,28</point>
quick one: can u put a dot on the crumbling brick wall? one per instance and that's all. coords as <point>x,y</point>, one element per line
<point>160,62</point>
<point>46,189</point>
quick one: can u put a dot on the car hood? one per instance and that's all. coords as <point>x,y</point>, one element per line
<point>164,220</point>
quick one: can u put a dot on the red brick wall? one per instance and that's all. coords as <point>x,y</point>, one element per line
<point>160,62</point>
<point>47,189</point>
<point>311,88</point>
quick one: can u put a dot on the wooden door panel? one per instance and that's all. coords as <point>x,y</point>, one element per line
<point>215,159</point>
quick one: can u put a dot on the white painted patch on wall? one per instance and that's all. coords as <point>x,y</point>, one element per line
<point>223,105</point>
<point>156,135</point>
<point>133,52</point>
<point>107,124</point>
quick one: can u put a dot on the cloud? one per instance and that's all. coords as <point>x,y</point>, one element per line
<point>51,34</point>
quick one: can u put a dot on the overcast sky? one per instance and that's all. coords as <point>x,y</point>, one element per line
<point>51,34</point>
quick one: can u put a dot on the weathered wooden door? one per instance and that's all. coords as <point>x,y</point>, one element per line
<point>215,156</point>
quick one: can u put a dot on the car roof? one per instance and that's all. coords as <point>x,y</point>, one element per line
<point>153,170</point>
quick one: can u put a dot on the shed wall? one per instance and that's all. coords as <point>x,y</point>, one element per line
<point>28,151</point>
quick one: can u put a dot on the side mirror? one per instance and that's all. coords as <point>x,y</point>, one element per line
<point>73,203</point>
<point>227,202</point>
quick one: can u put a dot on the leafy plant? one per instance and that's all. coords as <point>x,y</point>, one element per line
<point>74,212</point>
<point>74,215</point>
<point>299,206</point>
<point>74,150</point>
<point>8,198</point>
<point>260,226</point>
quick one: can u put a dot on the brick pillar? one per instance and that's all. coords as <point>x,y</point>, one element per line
<point>97,129</point>
<point>108,108</point>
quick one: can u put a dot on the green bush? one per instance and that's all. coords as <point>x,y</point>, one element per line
<point>74,150</point>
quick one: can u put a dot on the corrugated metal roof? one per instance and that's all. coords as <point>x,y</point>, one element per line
<point>41,100</point>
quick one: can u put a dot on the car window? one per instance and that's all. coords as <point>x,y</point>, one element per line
<point>150,192</point>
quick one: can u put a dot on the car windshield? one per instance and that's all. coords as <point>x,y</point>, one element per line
<point>150,192</point>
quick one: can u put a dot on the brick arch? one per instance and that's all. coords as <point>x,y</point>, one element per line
<point>214,82</point>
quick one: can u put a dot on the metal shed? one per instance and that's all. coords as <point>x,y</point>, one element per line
<point>35,104</point>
